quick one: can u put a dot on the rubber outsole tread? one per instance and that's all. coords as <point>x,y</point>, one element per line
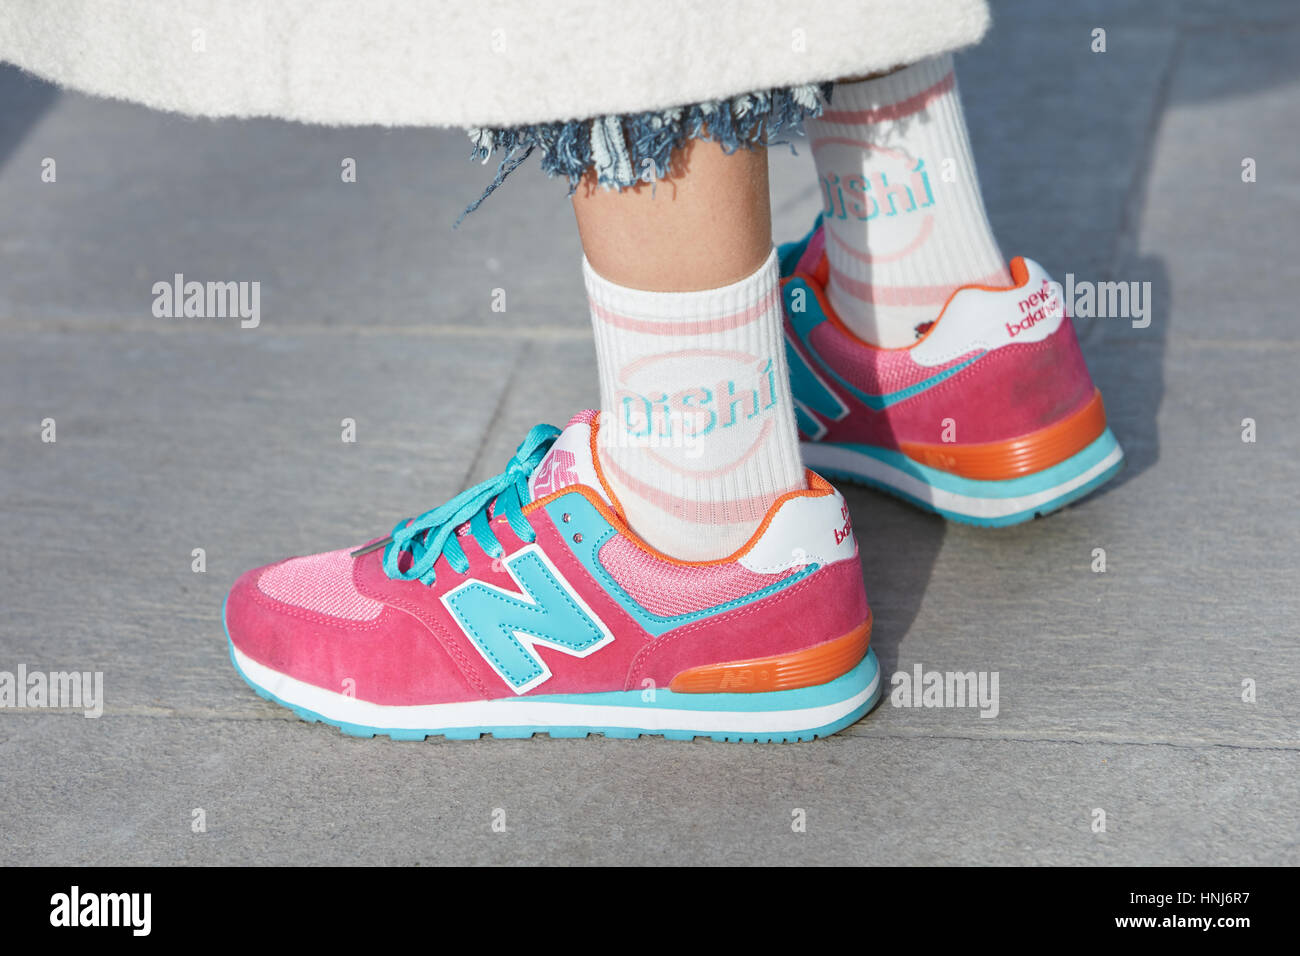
<point>1069,498</point>
<point>564,733</point>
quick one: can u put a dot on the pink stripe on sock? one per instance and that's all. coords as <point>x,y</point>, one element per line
<point>913,104</point>
<point>724,323</point>
<point>907,294</point>
<point>927,227</point>
<point>823,141</point>
<point>696,512</point>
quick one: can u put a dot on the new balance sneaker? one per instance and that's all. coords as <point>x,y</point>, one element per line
<point>989,418</point>
<point>525,605</point>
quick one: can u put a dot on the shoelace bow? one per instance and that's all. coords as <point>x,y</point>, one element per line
<point>433,534</point>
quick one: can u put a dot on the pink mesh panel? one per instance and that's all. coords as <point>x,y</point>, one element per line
<point>320,583</point>
<point>586,416</point>
<point>889,370</point>
<point>668,589</point>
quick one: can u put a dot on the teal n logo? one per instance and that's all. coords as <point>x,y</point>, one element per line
<point>505,627</point>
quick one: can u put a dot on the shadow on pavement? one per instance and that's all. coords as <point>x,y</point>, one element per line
<point>26,99</point>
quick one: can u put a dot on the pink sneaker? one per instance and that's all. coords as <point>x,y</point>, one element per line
<point>525,605</point>
<point>990,418</point>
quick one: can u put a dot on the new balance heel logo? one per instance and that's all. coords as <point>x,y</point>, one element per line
<point>1036,307</point>
<point>844,532</point>
<point>505,627</point>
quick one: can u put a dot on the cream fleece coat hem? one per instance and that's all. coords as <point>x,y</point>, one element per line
<point>484,63</point>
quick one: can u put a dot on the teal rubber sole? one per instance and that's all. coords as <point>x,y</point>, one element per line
<point>862,681</point>
<point>962,500</point>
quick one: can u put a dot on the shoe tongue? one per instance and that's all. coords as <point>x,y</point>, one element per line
<point>570,462</point>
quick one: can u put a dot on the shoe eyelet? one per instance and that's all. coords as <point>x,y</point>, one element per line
<point>566,518</point>
<point>577,538</point>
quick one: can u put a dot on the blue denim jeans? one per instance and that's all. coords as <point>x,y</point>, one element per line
<point>624,150</point>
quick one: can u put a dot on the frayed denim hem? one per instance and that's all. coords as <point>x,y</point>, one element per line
<point>626,150</point>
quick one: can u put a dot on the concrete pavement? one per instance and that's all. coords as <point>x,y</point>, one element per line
<point>1119,691</point>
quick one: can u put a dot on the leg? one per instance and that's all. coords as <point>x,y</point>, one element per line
<point>924,363</point>
<point>697,436</point>
<point>905,221</point>
<point>674,541</point>
<point>708,227</point>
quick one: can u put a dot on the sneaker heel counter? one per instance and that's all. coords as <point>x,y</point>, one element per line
<point>1051,367</point>
<point>1051,381</point>
<point>812,527</point>
<point>795,637</point>
<point>809,667</point>
<point>787,635</point>
<point>1029,372</point>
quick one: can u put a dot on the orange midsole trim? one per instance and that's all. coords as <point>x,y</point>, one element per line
<point>806,668</point>
<point>998,460</point>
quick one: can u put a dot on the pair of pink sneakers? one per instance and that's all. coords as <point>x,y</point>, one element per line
<point>526,605</point>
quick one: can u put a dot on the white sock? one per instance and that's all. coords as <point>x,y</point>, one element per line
<point>905,223</point>
<point>697,432</point>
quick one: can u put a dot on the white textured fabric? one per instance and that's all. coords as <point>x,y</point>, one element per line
<point>697,435</point>
<point>905,223</point>
<point>443,63</point>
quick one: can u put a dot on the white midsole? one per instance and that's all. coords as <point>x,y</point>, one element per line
<point>525,712</point>
<point>817,455</point>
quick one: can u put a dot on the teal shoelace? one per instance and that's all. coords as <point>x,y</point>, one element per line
<point>433,534</point>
